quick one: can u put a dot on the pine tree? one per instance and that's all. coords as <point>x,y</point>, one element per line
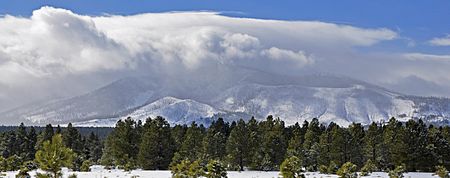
<point>191,148</point>
<point>31,143</point>
<point>393,138</point>
<point>356,144</point>
<point>215,140</point>
<point>72,139</point>
<point>273,143</point>
<point>348,170</point>
<point>340,145</point>
<point>156,149</point>
<point>372,143</point>
<point>254,144</point>
<point>291,168</point>
<point>45,135</point>
<point>122,145</point>
<point>54,155</point>
<point>237,147</point>
<point>310,145</point>
<point>215,169</point>
<point>94,147</point>
<point>21,141</point>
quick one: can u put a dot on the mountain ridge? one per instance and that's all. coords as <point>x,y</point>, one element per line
<point>330,98</point>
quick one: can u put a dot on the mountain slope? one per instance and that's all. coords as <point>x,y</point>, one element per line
<point>293,99</point>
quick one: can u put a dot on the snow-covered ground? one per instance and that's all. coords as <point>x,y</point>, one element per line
<point>98,172</point>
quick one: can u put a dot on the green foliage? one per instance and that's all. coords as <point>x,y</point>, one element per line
<point>122,144</point>
<point>187,169</point>
<point>86,166</point>
<point>348,170</point>
<point>215,169</point>
<point>397,172</point>
<point>54,155</point>
<point>332,168</point>
<point>156,148</point>
<point>291,168</point>
<point>442,172</point>
<point>368,168</point>
<point>41,175</point>
<point>310,145</point>
<point>72,176</point>
<point>215,140</point>
<point>323,169</point>
<point>191,148</point>
<point>237,147</point>
<point>25,168</point>
<point>13,163</point>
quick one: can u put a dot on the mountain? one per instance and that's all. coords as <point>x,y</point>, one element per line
<point>293,99</point>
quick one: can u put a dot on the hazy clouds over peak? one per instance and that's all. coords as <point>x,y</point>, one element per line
<point>59,53</point>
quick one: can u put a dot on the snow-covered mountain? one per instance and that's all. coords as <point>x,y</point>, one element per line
<point>293,99</point>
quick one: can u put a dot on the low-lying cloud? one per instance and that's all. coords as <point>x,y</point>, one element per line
<point>60,53</point>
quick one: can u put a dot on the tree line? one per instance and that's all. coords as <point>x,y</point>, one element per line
<point>266,145</point>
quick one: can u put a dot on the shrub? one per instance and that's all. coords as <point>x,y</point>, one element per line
<point>215,170</point>
<point>348,170</point>
<point>442,172</point>
<point>332,168</point>
<point>291,168</point>
<point>187,169</point>
<point>86,166</point>
<point>73,176</point>
<point>397,172</point>
<point>368,168</point>
<point>323,169</point>
<point>40,175</point>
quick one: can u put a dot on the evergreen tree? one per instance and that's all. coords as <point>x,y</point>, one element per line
<point>45,135</point>
<point>215,140</point>
<point>30,146</point>
<point>356,144</point>
<point>310,145</point>
<point>237,147</point>
<point>122,145</point>
<point>372,143</point>
<point>254,144</point>
<point>156,149</point>
<point>21,141</point>
<point>94,148</point>
<point>442,172</point>
<point>215,169</point>
<point>340,145</point>
<point>54,155</point>
<point>72,139</point>
<point>393,139</point>
<point>273,148</point>
<point>191,148</point>
<point>348,170</point>
<point>291,168</point>
<point>368,168</point>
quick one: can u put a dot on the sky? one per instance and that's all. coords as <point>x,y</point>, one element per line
<point>62,48</point>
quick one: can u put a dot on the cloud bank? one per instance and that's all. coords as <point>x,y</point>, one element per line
<point>58,53</point>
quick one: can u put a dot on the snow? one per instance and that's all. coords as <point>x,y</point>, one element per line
<point>98,172</point>
<point>331,99</point>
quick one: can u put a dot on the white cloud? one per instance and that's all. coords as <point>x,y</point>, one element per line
<point>55,45</point>
<point>445,41</point>
<point>427,57</point>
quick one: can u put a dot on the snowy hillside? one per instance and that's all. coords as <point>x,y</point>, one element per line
<point>293,99</point>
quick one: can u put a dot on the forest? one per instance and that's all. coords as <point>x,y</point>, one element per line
<point>267,145</point>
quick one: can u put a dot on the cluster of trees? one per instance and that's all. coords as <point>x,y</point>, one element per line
<point>265,145</point>
<point>19,147</point>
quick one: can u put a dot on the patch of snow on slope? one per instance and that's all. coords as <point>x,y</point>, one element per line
<point>177,111</point>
